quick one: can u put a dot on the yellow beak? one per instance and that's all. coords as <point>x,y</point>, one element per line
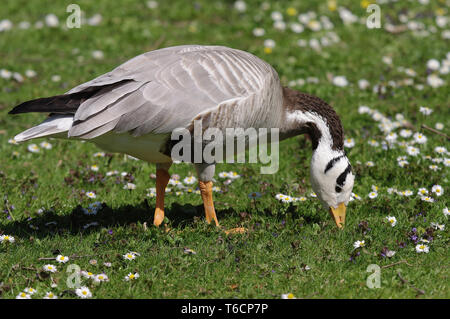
<point>338,214</point>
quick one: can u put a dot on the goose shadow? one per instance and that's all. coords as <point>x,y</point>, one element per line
<point>50,224</point>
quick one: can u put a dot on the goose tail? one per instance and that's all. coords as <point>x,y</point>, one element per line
<point>56,125</point>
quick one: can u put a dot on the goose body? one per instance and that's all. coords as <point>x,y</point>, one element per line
<point>135,108</point>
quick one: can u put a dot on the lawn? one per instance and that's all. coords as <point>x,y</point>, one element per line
<point>389,86</point>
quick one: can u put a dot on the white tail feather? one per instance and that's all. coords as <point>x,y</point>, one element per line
<point>52,127</point>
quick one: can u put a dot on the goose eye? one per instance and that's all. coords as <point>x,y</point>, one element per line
<point>338,189</point>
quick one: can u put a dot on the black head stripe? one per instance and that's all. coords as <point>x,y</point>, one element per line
<point>332,162</point>
<point>341,178</point>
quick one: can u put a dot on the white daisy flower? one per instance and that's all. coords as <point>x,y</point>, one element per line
<point>420,138</point>
<point>445,211</point>
<point>129,256</point>
<point>46,145</point>
<point>422,191</point>
<point>403,163</point>
<point>83,292</point>
<point>373,195</point>
<point>363,84</point>
<point>233,175</point>
<point>189,180</point>
<point>50,295</point>
<point>62,259</point>
<point>439,126</point>
<point>421,248</point>
<point>438,190</point>
<point>131,276</point>
<point>30,291</point>
<point>340,81</point>
<point>23,295</point>
<point>49,268</point>
<point>129,186</point>
<point>370,164</point>
<point>405,133</point>
<point>358,244</point>
<point>288,296</point>
<point>433,64</point>
<point>224,175</point>
<point>33,148</point>
<point>434,167</point>
<point>349,142</point>
<point>425,110</point>
<point>440,150</point>
<point>374,143</point>
<point>269,43</point>
<point>240,5</point>
<point>101,278</point>
<point>413,151</point>
<point>94,168</point>
<point>392,220</point>
<point>7,238</point>
<point>427,199</point>
<point>91,194</point>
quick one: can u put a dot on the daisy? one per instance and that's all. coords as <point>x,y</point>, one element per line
<point>402,163</point>
<point>445,211</point>
<point>356,196</point>
<point>391,137</point>
<point>189,180</point>
<point>439,126</point>
<point>279,196</point>
<point>413,151</point>
<point>437,226</point>
<point>422,191</point>
<point>421,248</point>
<point>7,238</point>
<point>129,256</point>
<point>83,292</point>
<point>406,192</point>
<point>425,110</point>
<point>405,133</point>
<point>129,186</point>
<point>447,162</point>
<point>427,199</point>
<point>288,296</point>
<point>91,195</point>
<point>94,168</point>
<point>46,145</point>
<point>434,167</point>
<point>224,175</point>
<point>23,295</point>
<point>358,244</point>
<point>340,81</point>
<point>50,295</point>
<point>131,276</point>
<point>373,143</point>
<point>433,64</point>
<point>233,175</point>
<point>259,32</point>
<point>363,84</point>
<point>312,194</point>
<point>420,138</point>
<point>373,195</point>
<point>12,141</point>
<point>440,150</point>
<point>370,164</point>
<point>392,220</point>
<point>33,148</point>
<point>62,259</point>
<point>101,278</point>
<point>437,189</point>
<point>49,268</point>
<point>287,199</point>
<point>30,291</point>
<point>349,142</point>
<point>240,5</point>
<point>99,154</point>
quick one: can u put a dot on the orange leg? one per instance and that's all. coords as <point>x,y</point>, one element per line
<point>162,178</point>
<point>206,191</point>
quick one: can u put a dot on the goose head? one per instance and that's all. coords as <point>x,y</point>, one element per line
<point>330,170</point>
<point>332,180</point>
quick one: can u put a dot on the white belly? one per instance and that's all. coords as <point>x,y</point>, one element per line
<point>144,147</point>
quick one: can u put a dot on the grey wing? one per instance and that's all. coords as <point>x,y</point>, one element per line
<point>165,89</point>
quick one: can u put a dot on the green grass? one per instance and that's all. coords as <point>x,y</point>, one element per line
<point>281,239</point>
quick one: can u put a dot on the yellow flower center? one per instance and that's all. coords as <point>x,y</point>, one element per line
<point>290,296</point>
<point>267,50</point>
<point>291,11</point>
<point>131,276</point>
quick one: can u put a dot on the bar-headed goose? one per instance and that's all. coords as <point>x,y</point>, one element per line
<point>134,108</point>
